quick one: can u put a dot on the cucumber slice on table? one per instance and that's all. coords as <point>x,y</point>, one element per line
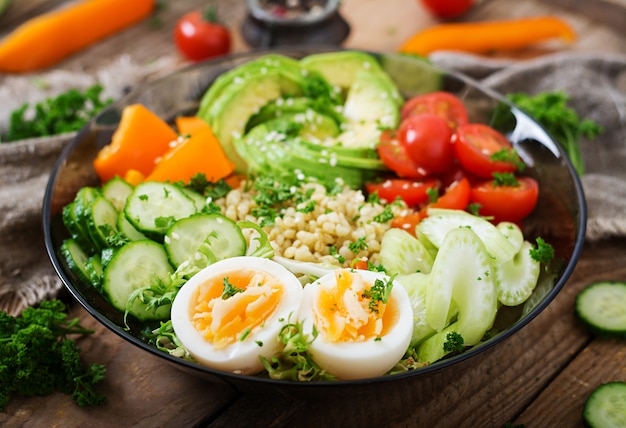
<point>136,265</point>
<point>606,406</point>
<point>221,235</point>
<point>602,307</point>
<point>153,207</point>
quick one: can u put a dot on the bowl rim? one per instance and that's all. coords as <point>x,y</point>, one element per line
<point>236,379</point>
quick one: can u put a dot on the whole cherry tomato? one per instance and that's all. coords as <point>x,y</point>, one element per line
<point>199,36</point>
<point>443,104</point>
<point>395,157</point>
<point>428,142</point>
<point>448,8</point>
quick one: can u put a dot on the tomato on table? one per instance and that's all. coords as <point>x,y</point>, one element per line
<point>506,203</point>
<point>412,192</point>
<point>448,8</point>
<point>476,144</point>
<point>443,104</point>
<point>427,140</point>
<point>395,156</point>
<point>199,36</point>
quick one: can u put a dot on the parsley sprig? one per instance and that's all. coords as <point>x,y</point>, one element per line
<point>37,357</point>
<point>67,112</point>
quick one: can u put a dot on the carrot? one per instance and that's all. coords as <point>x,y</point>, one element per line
<point>482,37</point>
<point>200,153</point>
<point>51,37</point>
<point>140,139</point>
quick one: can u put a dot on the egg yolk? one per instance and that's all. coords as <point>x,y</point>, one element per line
<point>343,313</point>
<point>226,309</point>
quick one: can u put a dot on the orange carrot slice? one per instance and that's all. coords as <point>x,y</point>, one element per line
<point>51,37</point>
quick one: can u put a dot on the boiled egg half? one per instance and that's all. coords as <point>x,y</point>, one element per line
<point>364,322</point>
<point>230,314</point>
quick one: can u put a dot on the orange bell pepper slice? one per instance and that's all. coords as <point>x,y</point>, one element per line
<point>200,153</point>
<point>140,139</point>
<point>483,37</point>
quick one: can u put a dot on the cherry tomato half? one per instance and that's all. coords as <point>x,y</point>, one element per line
<point>428,142</point>
<point>412,192</point>
<point>448,8</point>
<point>395,157</point>
<point>443,104</point>
<point>506,203</point>
<point>456,196</point>
<point>199,36</point>
<point>475,145</point>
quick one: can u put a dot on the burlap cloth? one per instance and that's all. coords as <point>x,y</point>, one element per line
<point>597,85</point>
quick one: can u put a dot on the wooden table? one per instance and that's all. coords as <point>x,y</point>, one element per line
<point>540,377</point>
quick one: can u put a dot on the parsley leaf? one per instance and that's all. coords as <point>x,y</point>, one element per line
<point>37,357</point>
<point>67,112</point>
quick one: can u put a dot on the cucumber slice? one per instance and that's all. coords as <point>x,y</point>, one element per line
<point>70,221</point>
<point>512,233</point>
<point>416,285</point>
<point>93,267</point>
<point>75,258</point>
<point>124,226</point>
<point>137,264</point>
<point>602,307</point>
<point>517,278</point>
<point>196,197</point>
<point>440,221</point>
<point>606,406</point>
<point>221,235</point>
<point>117,191</point>
<point>431,349</point>
<point>401,253</point>
<point>101,218</point>
<point>153,207</point>
<point>462,273</point>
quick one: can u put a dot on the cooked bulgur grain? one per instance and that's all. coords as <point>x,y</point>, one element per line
<point>336,220</point>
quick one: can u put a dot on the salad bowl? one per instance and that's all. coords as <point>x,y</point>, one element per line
<point>559,217</point>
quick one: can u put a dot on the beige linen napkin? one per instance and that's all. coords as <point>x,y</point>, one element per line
<point>597,85</point>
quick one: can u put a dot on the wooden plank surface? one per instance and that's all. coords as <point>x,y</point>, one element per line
<point>539,377</point>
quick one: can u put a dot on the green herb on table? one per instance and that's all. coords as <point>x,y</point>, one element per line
<point>550,109</point>
<point>67,112</point>
<point>37,357</point>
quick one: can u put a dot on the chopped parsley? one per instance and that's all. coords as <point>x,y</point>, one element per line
<point>509,156</point>
<point>454,342</point>
<point>378,293</point>
<point>358,245</point>
<point>543,252</point>
<point>385,216</point>
<point>332,250</point>
<point>505,179</point>
<point>230,289</point>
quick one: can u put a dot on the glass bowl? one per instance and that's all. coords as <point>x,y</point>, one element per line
<point>559,217</point>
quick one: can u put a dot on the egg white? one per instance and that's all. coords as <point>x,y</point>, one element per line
<point>242,356</point>
<point>358,359</point>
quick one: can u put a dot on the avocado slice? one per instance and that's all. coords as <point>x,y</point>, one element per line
<point>340,68</point>
<point>231,110</point>
<point>244,71</point>
<point>369,107</point>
